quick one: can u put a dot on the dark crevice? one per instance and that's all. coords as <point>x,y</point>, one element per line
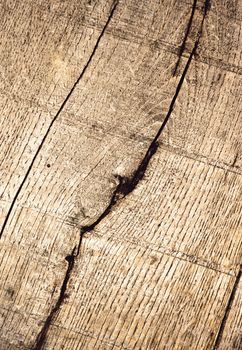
<point>128,184</point>
<point>227,310</point>
<point>183,45</point>
<point>125,186</point>
<point>233,165</point>
<point>115,3</point>
<point>40,341</point>
<point>206,8</point>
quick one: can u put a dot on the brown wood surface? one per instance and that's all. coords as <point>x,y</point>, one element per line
<point>103,244</point>
<point>230,334</point>
<point>146,275</point>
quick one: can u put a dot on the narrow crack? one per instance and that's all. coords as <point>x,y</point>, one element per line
<point>206,8</point>
<point>183,45</point>
<point>125,186</point>
<point>42,335</point>
<point>114,5</point>
<point>219,336</point>
<point>128,184</point>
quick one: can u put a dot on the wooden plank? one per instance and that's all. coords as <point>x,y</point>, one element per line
<point>70,184</point>
<point>71,181</point>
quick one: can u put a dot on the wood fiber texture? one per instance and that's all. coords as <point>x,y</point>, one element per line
<point>120,175</point>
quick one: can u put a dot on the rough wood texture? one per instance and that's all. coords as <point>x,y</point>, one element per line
<point>206,122</point>
<point>39,71</point>
<point>44,48</point>
<point>163,258</point>
<point>155,301</point>
<point>109,240</point>
<point>230,335</point>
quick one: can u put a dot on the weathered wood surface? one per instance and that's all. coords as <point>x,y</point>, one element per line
<point>230,334</point>
<point>146,275</point>
<point>57,41</point>
<point>43,49</point>
<point>159,270</point>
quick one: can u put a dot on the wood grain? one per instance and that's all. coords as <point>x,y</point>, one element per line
<point>39,72</point>
<point>231,334</point>
<point>132,297</point>
<point>221,41</point>
<point>72,178</point>
<point>159,270</point>
<point>220,45</point>
<point>177,214</point>
<point>206,122</point>
<point>44,47</point>
<point>186,208</point>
